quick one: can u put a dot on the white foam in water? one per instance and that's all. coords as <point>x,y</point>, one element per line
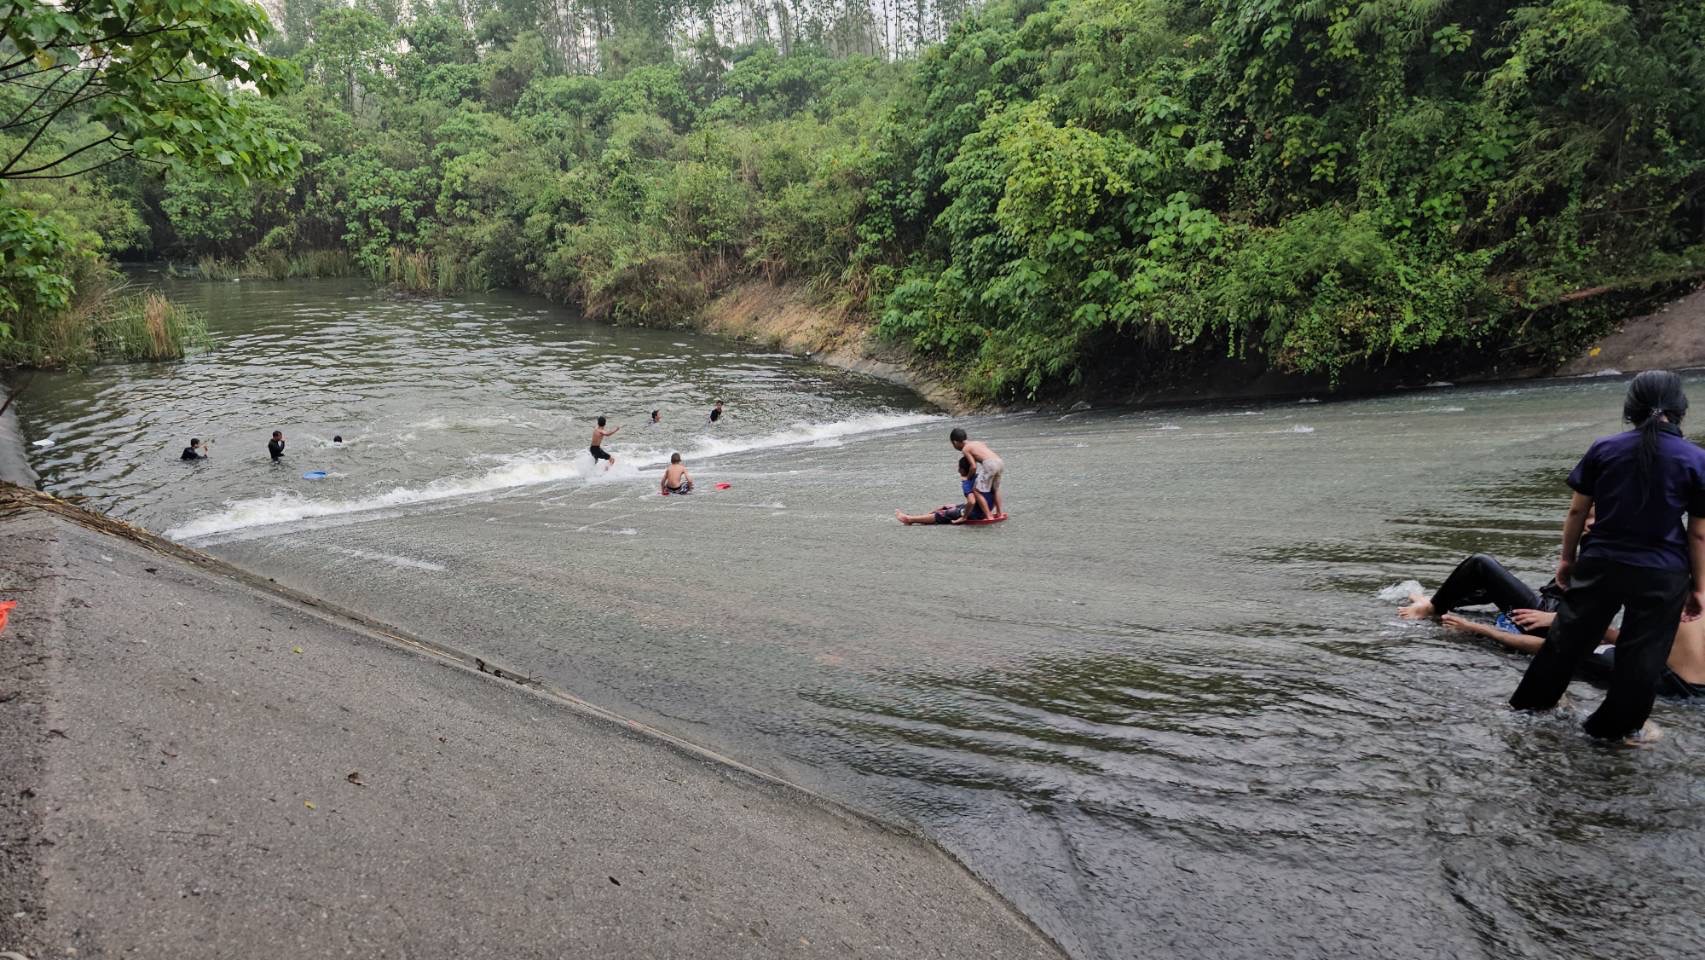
<point>808,433</point>
<point>289,507</point>
<point>1399,592</point>
<point>390,558</point>
<point>1299,428</point>
<point>517,471</point>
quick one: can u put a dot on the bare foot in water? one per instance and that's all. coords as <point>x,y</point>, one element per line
<point>1420,607</point>
<point>1647,735</point>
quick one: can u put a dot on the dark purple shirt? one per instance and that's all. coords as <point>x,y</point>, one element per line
<point>1640,524</point>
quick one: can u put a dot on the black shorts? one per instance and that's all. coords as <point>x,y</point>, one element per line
<point>1596,668</point>
<point>599,454</point>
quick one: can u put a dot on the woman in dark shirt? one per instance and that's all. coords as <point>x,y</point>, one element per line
<point>1637,558</point>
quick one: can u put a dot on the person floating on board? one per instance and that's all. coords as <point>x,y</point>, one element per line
<point>1683,675</point>
<point>656,418</point>
<point>988,466</point>
<point>716,412</point>
<point>599,434</point>
<point>675,477</point>
<point>196,450</point>
<point>275,446</point>
<point>974,506</point>
<point>1638,557</point>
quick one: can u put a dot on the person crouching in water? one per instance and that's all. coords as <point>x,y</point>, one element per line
<point>1638,557</point>
<point>675,477</point>
<point>974,507</point>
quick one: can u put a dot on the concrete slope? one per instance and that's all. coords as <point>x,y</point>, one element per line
<point>196,765</point>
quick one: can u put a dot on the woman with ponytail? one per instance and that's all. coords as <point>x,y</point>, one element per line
<point>1638,558</point>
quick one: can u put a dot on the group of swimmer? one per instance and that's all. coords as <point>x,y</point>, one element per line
<point>675,477</point>
<point>1625,548</point>
<point>980,470</point>
<point>200,449</point>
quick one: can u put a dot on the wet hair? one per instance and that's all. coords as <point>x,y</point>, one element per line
<point>195,441</point>
<point>674,458</point>
<point>278,433</point>
<point>719,403</point>
<point>654,414</point>
<point>1653,397</point>
<point>338,438</point>
<point>964,466</point>
<point>958,435</point>
<point>600,421</point>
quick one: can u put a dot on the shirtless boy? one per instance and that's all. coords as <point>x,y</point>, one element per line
<point>675,477</point>
<point>599,434</point>
<point>987,464</point>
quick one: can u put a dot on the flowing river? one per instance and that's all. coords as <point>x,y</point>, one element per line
<point>1166,709</point>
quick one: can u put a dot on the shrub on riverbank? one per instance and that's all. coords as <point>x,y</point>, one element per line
<point>105,321</point>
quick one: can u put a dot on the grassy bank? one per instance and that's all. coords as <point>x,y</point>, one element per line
<point>106,321</point>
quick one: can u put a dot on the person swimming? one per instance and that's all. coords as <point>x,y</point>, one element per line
<point>656,418</point>
<point>676,480</point>
<point>716,412</point>
<point>196,449</point>
<point>974,507</point>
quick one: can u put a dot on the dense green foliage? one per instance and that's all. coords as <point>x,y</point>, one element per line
<point>88,84</point>
<point>1028,193</point>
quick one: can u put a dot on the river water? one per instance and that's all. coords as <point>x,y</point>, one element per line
<point>1166,709</point>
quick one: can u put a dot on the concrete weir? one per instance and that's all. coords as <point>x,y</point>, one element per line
<point>196,763</point>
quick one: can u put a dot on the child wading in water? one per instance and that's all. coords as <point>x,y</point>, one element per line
<point>1638,558</point>
<point>598,436</point>
<point>675,477</point>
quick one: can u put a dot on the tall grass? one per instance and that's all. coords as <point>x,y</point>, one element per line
<point>147,326</point>
<point>106,322</point>
<point>269,265</point>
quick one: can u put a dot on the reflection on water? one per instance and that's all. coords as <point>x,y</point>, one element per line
<point>1162,709</point>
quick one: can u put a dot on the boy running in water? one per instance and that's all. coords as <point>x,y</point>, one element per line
<point>599,434</point>
<point>987,464</point>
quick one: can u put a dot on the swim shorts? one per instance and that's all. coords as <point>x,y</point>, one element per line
<point>989,474</point>
<point>599,454</point>
<point>949,514</point>
<point>685,488</point>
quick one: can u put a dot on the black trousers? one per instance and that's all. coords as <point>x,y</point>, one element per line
<point>1651,600</point>
<point>1481,579</point>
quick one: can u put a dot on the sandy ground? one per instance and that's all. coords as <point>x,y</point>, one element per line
<point>1673,337</point>
<point>195,764</point>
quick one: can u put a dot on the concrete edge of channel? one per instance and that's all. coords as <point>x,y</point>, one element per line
<point>15,499</point>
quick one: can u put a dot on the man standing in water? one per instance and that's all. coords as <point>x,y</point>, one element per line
<point>196,450</point>
<point>716,412</point>
<point>988,466</point>
<point>598,436</point>
<point>275,446</point>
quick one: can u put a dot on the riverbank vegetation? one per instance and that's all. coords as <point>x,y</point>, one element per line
<point>1026,193</point>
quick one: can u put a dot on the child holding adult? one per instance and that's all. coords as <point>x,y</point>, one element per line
<point>1638,557</point>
